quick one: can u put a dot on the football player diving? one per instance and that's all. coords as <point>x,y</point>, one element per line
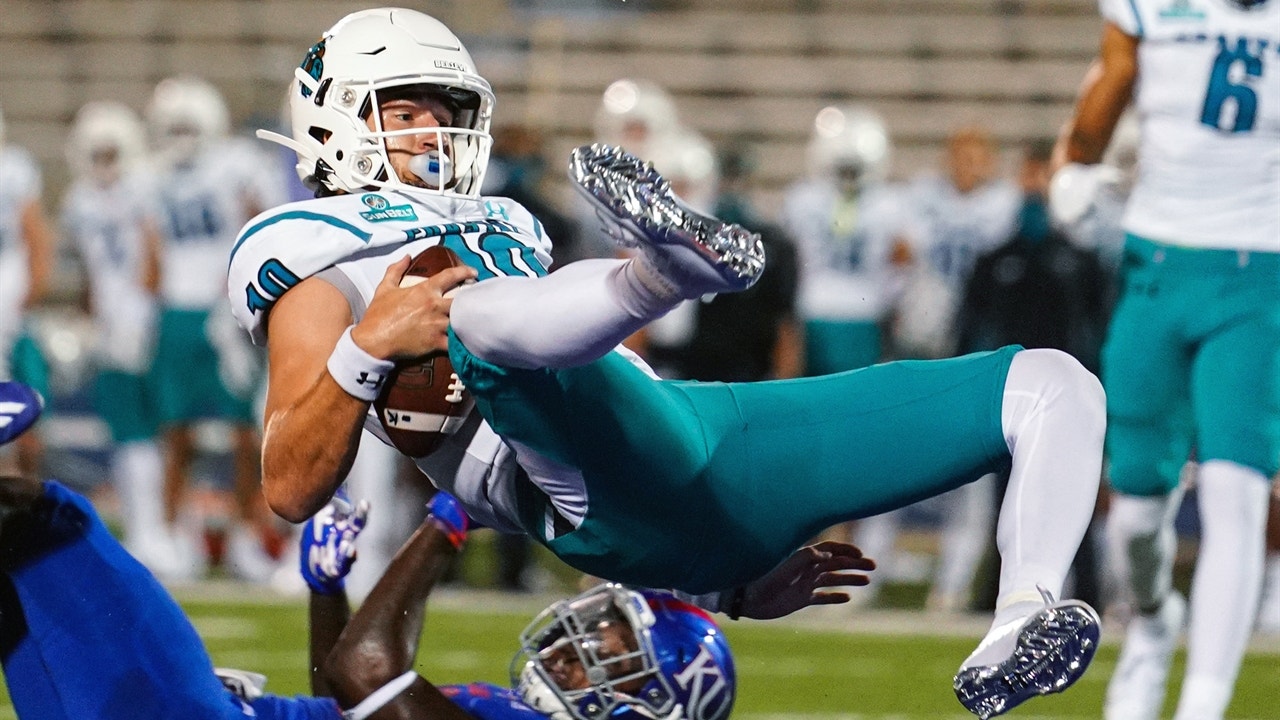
<point>87,632</point>
<point>701,487</point>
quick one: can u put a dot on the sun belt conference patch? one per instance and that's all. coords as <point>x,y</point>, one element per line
<point>381,210</point>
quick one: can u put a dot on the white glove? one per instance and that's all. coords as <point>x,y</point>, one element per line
<point>1074,190</point>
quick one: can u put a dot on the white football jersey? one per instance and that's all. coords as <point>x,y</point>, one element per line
<point>20,184</point>
<point>1208,98</point>
<point>105,223</point>
<point>845,249</point>
<point>951,229</point>
<point>198,208</point>
<point>360,235</point>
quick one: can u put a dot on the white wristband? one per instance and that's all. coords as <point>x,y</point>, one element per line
<point>356,371</point>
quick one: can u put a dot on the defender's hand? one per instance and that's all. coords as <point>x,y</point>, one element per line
<point>448,515</point>
<point>328,544</point>
<point>801,579</point>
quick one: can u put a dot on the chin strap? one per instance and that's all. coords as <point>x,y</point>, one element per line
<point>279,139</point>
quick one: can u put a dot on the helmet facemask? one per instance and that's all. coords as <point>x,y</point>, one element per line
<point>338,93</point>
<point>592,657</point>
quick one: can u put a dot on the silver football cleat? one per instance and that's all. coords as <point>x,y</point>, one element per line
<point>636,204</point>
<point>1051,651</point>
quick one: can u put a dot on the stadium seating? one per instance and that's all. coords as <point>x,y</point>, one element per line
<point>753,68</point>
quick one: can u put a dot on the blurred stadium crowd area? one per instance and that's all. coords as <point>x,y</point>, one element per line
<point>746,68</point>
<point>915,94</point>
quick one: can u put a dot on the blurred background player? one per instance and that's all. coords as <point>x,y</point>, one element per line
<point>640,116</point>
<point>1038,290</point>
<point>955,215</point>
<point>26,264</point>
<point>207,187</point>
<point>755,334</point>
<point>691,166</point>
<point>1191,355</point>
<point>104,214</point>
<point>848,225</point>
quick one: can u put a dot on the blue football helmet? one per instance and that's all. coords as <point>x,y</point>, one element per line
<point>620,654</point>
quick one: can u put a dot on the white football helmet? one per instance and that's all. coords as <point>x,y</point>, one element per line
<point>336,90</point>
<point>849,142</point>
<point>688,161</point>
<point>635,114</point>
<point>106,139</point>
<point>185,114</point>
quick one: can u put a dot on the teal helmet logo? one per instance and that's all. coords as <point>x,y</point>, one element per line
<point>313,64</point>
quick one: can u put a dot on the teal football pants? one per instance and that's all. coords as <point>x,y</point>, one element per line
<point>703,486</point>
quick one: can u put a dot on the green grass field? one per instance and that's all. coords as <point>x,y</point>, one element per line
<point>826,665</point>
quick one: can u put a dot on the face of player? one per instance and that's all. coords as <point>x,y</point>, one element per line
<point>970,163</point>
<point>611,640</point>
<point>104,166</point>
<point>414,109</point>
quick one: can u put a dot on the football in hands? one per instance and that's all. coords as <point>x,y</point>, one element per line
<point>422,402</point>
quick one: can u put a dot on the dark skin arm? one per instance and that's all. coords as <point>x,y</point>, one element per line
<point>380,641</point>
<point>329,615</point>
<point>1104,94</point>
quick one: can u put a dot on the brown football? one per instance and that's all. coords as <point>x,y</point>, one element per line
<point>422,403</point>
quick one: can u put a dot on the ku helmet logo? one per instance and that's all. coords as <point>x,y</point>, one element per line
<point>10,410</point>
<point>703,680</point>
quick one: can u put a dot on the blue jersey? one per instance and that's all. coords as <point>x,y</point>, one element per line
<point>104,640</point>
<point>490,702</point>
<point>274,707</point>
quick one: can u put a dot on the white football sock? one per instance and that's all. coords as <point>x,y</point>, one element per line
<point>876,537</point>
<point>1204,698</point>
<point>568,318</point>
<point>137,471</point>
<point>1228,578</point>
<point>1054,418</point>
<point>966,531</point>
<point>1141,542</point>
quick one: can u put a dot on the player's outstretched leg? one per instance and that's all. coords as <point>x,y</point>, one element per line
<point>1053,417</point>
<point>1039,655</point>
<point>695,253</point>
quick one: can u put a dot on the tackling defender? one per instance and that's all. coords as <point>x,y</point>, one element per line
<point>87,632</point>
<point>704,487</point>
<point>1191,357</point>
